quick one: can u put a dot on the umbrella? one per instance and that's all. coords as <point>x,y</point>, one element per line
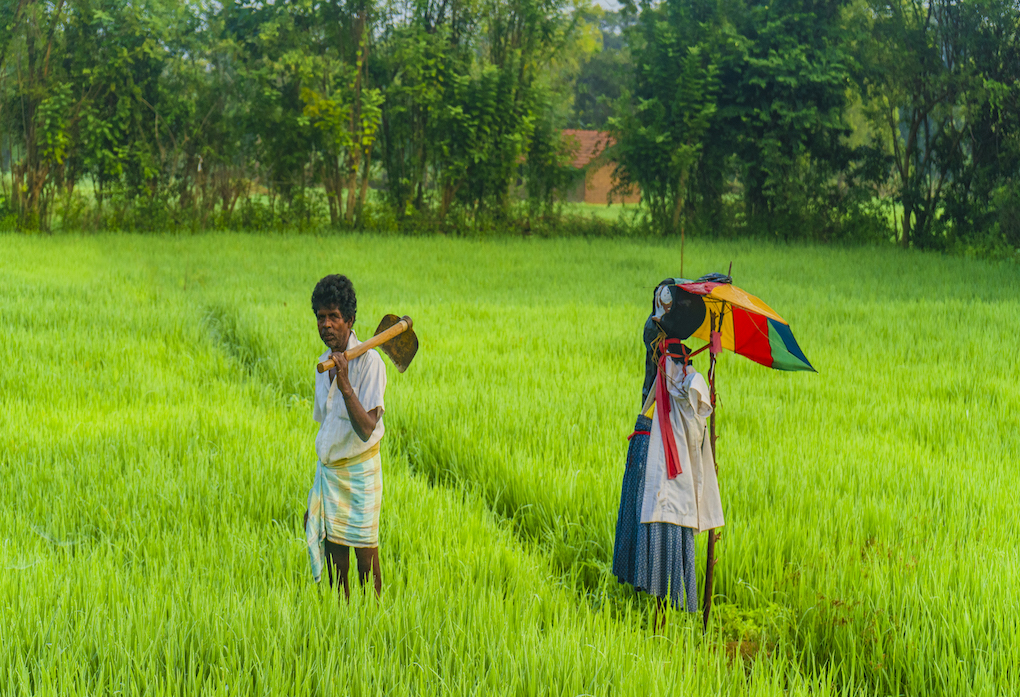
<point>745,324</point>
<point>714,310</point>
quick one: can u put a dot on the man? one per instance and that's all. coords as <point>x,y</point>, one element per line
<point>344,502</point>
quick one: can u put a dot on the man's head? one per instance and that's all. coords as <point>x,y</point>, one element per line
<point>336,307</point>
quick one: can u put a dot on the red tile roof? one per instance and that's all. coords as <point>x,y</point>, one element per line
<point>590,144</point>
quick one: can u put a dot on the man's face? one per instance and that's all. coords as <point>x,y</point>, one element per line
<point>334,330</point>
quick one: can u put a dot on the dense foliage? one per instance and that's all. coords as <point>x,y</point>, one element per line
<point>826,119</point>
<point>848,119</point>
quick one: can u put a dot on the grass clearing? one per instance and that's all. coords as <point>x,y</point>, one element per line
<point>614,212</point>
<point>154,491</point>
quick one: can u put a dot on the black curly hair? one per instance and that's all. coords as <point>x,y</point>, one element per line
<point>336,291</point>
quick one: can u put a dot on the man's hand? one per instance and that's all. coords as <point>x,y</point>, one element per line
<point>343,383</point>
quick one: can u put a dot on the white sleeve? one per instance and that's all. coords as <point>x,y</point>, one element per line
<point>699,396</point>
<point>373,382</point>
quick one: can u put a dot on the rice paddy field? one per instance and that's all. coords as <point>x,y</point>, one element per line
<point>156,449</point>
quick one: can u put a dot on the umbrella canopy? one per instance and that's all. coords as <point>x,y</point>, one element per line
<point>747,326</point>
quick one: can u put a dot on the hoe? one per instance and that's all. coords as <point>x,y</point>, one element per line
<point>394,336</point>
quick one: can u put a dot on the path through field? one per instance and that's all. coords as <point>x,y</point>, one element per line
<point>156,446</point>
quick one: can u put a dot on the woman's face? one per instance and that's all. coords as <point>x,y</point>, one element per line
<point>334,330</point>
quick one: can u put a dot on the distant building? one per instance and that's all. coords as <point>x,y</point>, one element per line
<point>598,180</point>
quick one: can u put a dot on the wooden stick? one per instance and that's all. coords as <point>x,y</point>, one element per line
<point>710,562</point>
<point>400,327</point>
<point>682,226</point>
<point>700,350</point>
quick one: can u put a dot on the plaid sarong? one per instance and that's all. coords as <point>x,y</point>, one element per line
<point>343,506</point>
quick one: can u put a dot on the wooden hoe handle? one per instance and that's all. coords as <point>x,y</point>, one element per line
<point>381,338</point>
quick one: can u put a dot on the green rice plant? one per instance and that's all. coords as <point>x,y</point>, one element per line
<point>152,513</point>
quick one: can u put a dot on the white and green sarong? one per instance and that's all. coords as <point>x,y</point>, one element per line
<point>343,506</point>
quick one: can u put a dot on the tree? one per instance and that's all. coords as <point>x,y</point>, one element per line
<point>982,196</point>
<point>466,85</point>
<point>786,86</point>
<point>661,130</point>
<point>603,77</point>
<point>914,86</point>
<point>940,82</point>
<point>749,93</point>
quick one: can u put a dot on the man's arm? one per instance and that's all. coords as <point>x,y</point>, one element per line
<point>363,422</point>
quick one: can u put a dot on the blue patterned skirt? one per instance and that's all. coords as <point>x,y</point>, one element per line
<point>657,558</point>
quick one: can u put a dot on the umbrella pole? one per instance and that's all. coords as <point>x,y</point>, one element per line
<point>710,561</point>
<point>681,249</point>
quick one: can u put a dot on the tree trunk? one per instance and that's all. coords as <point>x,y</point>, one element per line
<point>449,192</point>
<point>905,234</point>
<point>351,185</point>
<point>678,207</point>
<point>356,128</point>
<point>367,171</point>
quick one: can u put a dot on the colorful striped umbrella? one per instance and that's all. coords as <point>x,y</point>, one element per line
<point>747,326</point>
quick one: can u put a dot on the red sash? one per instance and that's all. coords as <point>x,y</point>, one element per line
<point>662,406</point>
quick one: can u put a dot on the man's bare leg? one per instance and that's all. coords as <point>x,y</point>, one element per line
<point>368,563</point>
<point>338,563</point>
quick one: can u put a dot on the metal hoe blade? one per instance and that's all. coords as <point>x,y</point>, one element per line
<point>402,348</point>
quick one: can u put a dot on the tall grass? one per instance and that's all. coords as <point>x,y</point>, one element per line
<point>154,488</point>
